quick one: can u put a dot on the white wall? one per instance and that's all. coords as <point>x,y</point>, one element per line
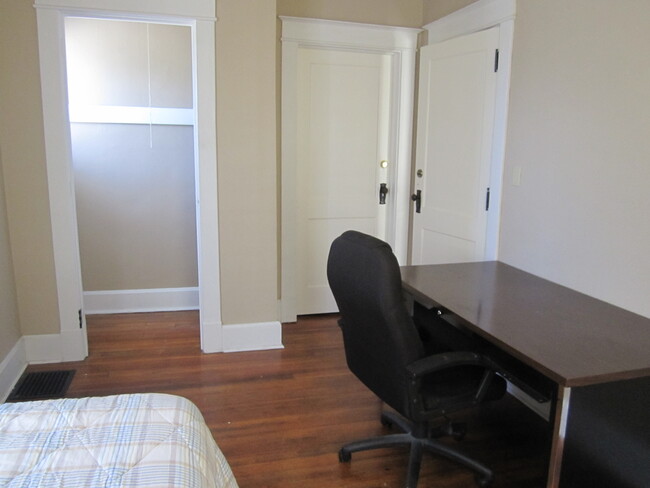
<point>134,179</point>
<point>108,63</point>
<point>579,132</point>
<point>135,205</point>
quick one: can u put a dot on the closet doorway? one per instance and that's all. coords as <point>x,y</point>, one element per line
<point>130,99</point>
<point>199,17</point>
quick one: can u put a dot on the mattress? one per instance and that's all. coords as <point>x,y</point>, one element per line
<point>141,440</point>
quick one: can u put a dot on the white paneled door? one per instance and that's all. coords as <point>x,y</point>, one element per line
<point>456,110</point>
<point>342,133</point>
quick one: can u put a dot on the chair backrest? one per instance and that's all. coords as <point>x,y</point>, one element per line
<point>379,335</point>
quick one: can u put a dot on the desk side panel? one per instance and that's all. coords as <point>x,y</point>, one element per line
<point>608,436</point>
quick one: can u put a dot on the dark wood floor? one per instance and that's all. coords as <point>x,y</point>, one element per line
<point>280,416</point>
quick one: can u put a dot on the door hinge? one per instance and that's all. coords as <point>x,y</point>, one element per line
<point>496,60</point>
<point>487,200</point>
<point>81,320</point>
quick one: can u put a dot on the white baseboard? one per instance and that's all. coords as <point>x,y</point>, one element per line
<point>11,368</point>
<point>211,337</point>
<point>146,300</point>
<point>55,348</point>
<point>43,348</point>
<point>541,409</point>
<point>74,345</point>
<point>252,337</point>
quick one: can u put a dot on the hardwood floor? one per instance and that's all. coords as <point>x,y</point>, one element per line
<point>280,416</point>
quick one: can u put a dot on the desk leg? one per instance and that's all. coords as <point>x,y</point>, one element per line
<point>559,433</point>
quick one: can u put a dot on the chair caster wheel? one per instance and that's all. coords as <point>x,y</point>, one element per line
<point>458,431</point>
<point>344,456</point>
<point>386,422</point>
<point>484,481</point>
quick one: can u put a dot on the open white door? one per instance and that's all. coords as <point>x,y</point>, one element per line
<point>341,67</point>
<point>454,148</point>
<point>343,106</point>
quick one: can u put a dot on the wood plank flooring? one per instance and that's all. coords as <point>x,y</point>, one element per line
<point>280,416</point>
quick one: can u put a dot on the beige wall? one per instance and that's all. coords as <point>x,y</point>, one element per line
<point>23,161</point>
<point>579,127</point>
<point>403,13</point>
<point>246,99</point>
<point>247,173</point>
<point>9,326</point>
<point>435,9</point>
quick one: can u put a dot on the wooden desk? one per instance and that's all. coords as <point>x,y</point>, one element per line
<point>597,355</point>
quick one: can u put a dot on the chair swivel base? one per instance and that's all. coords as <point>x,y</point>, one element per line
<point>417,444</point>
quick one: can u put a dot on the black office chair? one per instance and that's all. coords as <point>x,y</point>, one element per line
<point>383,349</point>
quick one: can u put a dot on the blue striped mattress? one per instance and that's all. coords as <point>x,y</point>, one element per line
<point>141,440</point>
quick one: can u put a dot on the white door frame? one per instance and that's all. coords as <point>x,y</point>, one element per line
<point>200,16</point>
<point>401,44</point>
<point>477,16</point>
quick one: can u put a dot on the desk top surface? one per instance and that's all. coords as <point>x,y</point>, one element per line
<point>572,338</point>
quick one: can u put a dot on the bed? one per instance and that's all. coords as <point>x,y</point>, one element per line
<point>140,440</point>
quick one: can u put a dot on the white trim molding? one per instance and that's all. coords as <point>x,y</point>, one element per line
<point>401,44</point>
<point>349,35</point>
<point>252,337</point>
<point>211,337</point>
<point>113,114</point>
<point>199,9</point>
<point>11,368</point>
<point>145,300</point>
<point>54,348</point>
<point>477,16</point>
<point>473,18</point>
<point>43,348</point>
<point>60,177</point>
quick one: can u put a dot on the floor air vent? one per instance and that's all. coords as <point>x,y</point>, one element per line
<point>42,385</point>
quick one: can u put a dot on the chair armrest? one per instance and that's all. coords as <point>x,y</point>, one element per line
<point>439,362</point>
